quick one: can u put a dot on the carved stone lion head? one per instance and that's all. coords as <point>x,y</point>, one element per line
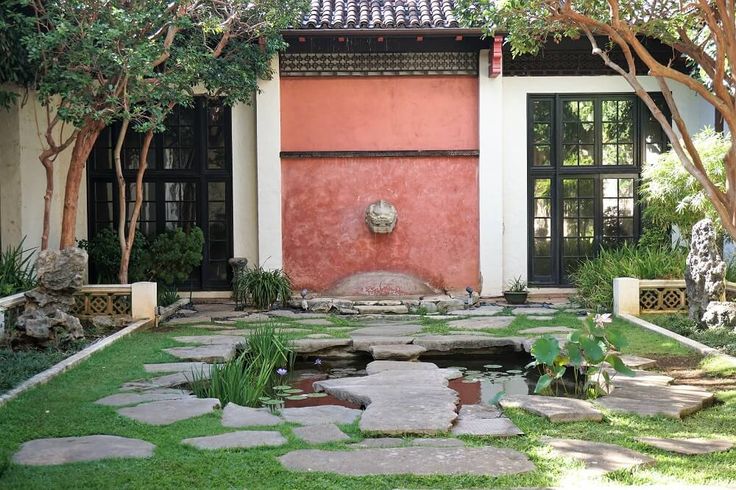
<point>381,217</point>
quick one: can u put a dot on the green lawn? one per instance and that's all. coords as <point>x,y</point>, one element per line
<point>64,408</point>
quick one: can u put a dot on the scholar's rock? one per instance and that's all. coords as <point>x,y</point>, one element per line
<point>720,314</point>
<point>705,270</point>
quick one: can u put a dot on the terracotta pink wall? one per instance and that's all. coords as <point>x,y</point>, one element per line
<point>379,113</point>
<point>325,237</point>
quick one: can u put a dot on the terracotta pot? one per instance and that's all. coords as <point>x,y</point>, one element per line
<point>515,297</point>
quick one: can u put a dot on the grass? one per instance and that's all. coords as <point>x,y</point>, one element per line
<point>64,407</point>
<point>723,339</point>
<point>16,367</point>
<point>719,366</point>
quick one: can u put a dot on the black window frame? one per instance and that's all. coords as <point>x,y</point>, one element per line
<point>557,172</point>
<point>199,174</point>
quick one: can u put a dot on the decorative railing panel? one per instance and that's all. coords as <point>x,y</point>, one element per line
<point>109,300</point>
<point>668,296</point>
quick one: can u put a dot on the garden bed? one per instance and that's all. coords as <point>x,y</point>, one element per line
<point>722,339</point>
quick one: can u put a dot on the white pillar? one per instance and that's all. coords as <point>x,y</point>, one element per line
<point>143,299</point>
<point>245,183</point>
<point>268,146</point>
<point>490,178</point>
<point>625,296</point>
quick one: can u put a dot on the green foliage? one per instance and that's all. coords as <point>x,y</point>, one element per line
<point>585,351</point>
<point>251,378</point>
<point>15,68</point>
<point>594,277</point>
<point>174,255</point>
<point>17,270</point>
<point>104,253</point>
<point>516,285</point>
<point>723,339</point>
<point>673,196</point>
<point>261,287</point>
<point>18,366</point>
<point>167,295</point>
<point>731,270</point>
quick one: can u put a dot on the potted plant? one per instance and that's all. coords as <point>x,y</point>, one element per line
<point>516,291</point>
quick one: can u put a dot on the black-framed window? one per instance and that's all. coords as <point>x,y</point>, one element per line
<point>188,182</point>
<point>585,153</point>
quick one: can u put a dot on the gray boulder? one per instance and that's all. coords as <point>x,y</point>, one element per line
<point>705,270</point>
<point>720,314</point>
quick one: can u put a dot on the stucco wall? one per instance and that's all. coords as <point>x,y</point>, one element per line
<point>325,238</point>
<point>23,180</point>
<point>695,111</point>
<point>245,183</point>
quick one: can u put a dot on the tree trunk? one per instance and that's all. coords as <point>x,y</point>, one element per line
<point>132,225</point>
<point>82,147</point>
<point>122,213</point>
<point>47,160</point>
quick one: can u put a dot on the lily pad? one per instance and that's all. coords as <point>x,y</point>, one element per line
<point>282,387</point>
<point>493,366</point>
<point>273,402</point>
<point>514,371</point>
<point>296,397</point>
<point>316,395</point>
<point>293,391</point>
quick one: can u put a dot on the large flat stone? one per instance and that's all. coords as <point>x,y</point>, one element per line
<point>321,414</point>
<point>169,411</point>
<point>388,330</point>
<point>123,399</point>
<point>379,442</point>
<point>401,352</point>
<point>555,409</point>
<point>488,460</point>
<point>445,343</point>
<point>212,339</point>
<point>689,447</point>
<point>383,365</point>
<point>382,309</point>
<point>437,442</point>
<point>488,310</point>
<point>545,330</point>
<point>239,439</point>
<point>315,322</point>
<point>236,416</point>
<point>320,434</point>
<point>648,408</point>
<point>216,353</point>
<point>482,323</point>
<point>598,457</point>
<point>636,362</point>
<point>365,342</point>
<point>175,367</point>
<point>531,310</point>
<point>62,450</point>
<point>307,346</point>
<point>498,427</point>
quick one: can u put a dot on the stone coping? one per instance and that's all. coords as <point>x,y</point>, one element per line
<point>71,361</point>
<point>167,312</point>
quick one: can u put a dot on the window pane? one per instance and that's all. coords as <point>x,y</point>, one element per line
<point>542,110</point>
<point>542,188</point>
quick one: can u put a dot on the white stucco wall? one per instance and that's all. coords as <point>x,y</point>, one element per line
<point>245,183</point>
<point>695,111</point>
<point>23,179</point>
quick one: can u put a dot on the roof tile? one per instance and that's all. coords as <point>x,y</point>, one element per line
<point>379,14</point>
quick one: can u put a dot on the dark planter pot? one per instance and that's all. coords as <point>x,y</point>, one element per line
<point>515,297</point>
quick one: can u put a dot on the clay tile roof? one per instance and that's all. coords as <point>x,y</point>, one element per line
<point>379,14</point>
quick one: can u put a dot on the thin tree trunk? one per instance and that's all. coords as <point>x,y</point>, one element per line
<point>47,160</point>
<point>82,147</point>
<point>122,213</point>
<point>142,165</point>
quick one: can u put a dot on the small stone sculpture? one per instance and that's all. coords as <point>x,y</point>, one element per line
<point>238,265</point>
<point>705,271</point>
<point>46,319</point>
<point>720,314</point>
<point>381,217</point>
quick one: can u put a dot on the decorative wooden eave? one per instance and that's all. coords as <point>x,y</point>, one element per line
<point>495,58</point>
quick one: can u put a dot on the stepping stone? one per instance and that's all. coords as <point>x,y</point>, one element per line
<point>598,457</point>
<point>437,442</point>
<point>211,339</point>
<point>319,336</point>
<point>62,450</point>
<point>239,439</point>
<point>400,401</point>
<point>167,412</point>
<point>482,323</point>
<point>488,461</point>
<point>379,442</point>
<point>488,310</point>
<point>381,366</point>
<point>372,309</point>
<point>403,352</point>
<point>689,447</point>
<point>554,408</point>
<point>320,434</point>
<point>316,322</point>
<point>648,408</point>
<point>388,330</point>
<point>444,343</point>
<point>175,367</point>
<point>365,343</point>
<point>291,330</point>
<point>209,326</point>
<point>122,399</point>
<point>216,353</point>
<point>643,378</point>
<point>532,311</point>
<point>498,427</point>
<point>636,362</point>
<point>479,411</point>
<point>280,313</point>
<point>545,330</point>
<point>255,317</point>
<point>236,416</point>
<point>321,414</point>
<point>541,318</point>
<point>168,380</point>
<point>307,346</point>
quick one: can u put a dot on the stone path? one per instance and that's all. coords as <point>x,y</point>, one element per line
<point>488,461</point>
<point>405,352</point>
<point>489,310</point>
<point>167,412</point>
<point>236,416</point>
<point>482,323</point>
<point>63,450</point>
<point>532,310</point>
<point>123,399</point>
<point>320,434</point>
<point>239,439</point>
<point>484,420</point>
<point>321,414</point>
<point>689,447</point>
<point>555,409</point>
<point>598,457</point>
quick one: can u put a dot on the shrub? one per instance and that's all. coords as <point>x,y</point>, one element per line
<point>17,270</point>
<point>167,295</point>
<point>262,287</point>
<point>594,277</point>
<point>173,255</point>
<point>723,339</point>
<point>251,378</point>
<point>104,253</point>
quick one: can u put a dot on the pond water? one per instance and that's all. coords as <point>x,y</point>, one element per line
<point>484,377</point>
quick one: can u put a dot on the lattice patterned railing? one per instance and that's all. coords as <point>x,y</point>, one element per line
<point>668,296</point>
<point>102,300</point>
